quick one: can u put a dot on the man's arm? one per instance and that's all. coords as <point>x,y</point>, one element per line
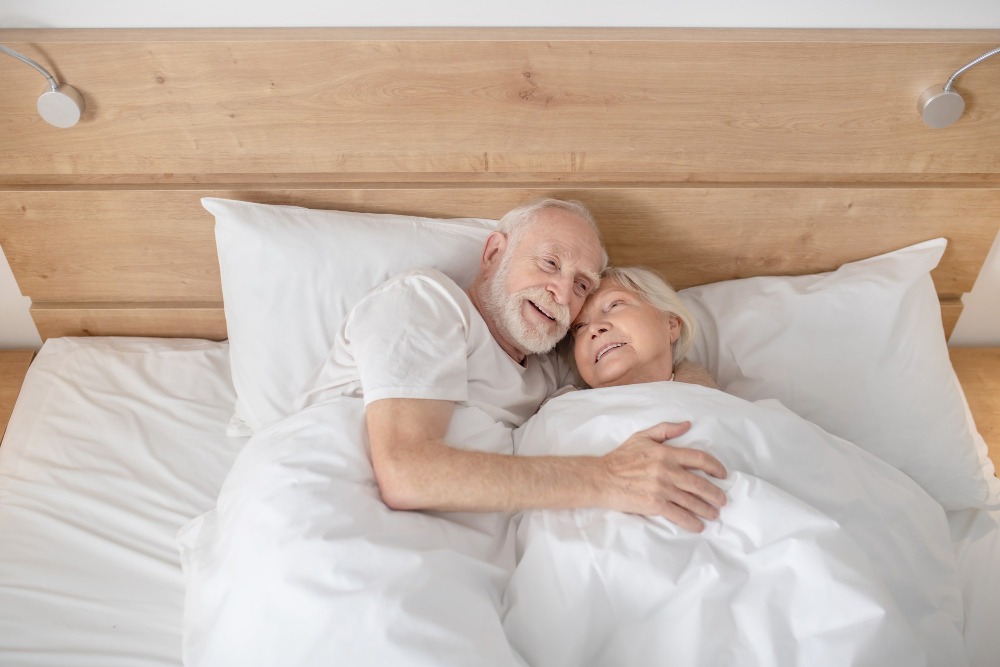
<point>417,470</point>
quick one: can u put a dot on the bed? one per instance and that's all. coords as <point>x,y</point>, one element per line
<point>218,190</point>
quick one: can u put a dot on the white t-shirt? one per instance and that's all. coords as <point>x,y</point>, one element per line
<point>418,335</point>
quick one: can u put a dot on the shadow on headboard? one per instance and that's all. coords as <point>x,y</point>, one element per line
<point>706,154</point>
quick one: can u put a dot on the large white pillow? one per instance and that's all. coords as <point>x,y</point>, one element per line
<point>860,351</point>
<point>291,274</point>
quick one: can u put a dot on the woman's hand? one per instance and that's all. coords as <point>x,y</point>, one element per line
<point>649,477</point>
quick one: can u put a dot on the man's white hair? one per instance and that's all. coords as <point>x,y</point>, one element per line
<point>515,222</point>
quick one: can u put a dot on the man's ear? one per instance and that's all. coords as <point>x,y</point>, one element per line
<point>493,250</point>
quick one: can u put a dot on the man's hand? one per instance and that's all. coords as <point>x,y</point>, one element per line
<point>647,476</point>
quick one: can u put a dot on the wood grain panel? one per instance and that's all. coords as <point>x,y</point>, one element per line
<point>706,154</point>
<point>13,366</point>
<point>146,245</point>
<point>978,369</point>
<point>171,320</point>
<point>661,105</point>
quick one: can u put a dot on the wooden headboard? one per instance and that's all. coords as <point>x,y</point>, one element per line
<point>706,154</point>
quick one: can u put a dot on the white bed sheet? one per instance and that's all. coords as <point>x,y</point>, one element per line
<point>114,444</point>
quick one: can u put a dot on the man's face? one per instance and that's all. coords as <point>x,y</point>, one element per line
<point>541,283</point>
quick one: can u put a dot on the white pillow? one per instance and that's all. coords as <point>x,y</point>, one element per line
<point>860,351</point>
<point>291,274</point>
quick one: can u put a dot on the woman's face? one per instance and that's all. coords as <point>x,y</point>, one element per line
<point>619,338</point>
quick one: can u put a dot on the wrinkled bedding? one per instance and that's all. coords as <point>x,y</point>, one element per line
<point>824,555</point>
<point>91,504</point>
<point>301,563</point>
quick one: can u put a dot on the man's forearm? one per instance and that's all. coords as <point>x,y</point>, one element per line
<point>416,470</point>
<point>435,476</point>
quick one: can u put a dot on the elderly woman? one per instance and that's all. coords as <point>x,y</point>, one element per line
<point>791,565</point>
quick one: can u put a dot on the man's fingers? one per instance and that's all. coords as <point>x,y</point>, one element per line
<point>666,430</point>
<point>705,505</point>
<point>689,511</point>
<point>697,459</point>
<point>699,508</point>
<point>654,477</point>
<point>683,518</point>
<point>689,458</point>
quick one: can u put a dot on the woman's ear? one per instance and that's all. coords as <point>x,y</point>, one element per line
<point>674,327</point>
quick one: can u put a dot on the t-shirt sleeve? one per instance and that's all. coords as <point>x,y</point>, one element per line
<point>410,341</point>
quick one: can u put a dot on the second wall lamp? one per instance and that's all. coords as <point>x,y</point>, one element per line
<point>940,106</point>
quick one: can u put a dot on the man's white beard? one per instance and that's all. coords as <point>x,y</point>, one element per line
<point>505,311</point>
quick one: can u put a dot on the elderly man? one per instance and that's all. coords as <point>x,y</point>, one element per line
<point>418,346</point>
<point>304,561</point>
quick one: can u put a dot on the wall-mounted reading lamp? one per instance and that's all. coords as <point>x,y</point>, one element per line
<point>62,104</point>
<point>939,105</point>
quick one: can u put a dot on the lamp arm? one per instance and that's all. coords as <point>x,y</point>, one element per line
<point>53,84</point>
<point>947,86</point>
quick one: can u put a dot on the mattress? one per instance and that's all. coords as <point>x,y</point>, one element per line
<point>116,443</point>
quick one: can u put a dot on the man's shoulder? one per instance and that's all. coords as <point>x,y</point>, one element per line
<point>424,294</point>
<point>423,278</point>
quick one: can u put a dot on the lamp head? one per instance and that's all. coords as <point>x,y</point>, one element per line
<point>61,107</point>
<point>939,107</point>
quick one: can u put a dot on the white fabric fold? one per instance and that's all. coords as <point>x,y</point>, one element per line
<point>824,554</point>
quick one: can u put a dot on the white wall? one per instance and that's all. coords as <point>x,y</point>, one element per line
<point>596,13</point>
<point>980,322</point>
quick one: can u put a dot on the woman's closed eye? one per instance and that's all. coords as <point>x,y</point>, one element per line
<point>614,304</point>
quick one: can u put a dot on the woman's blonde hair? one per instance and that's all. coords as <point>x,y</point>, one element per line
<point>657,292</point>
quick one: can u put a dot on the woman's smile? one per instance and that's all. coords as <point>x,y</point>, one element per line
<point>605,349</point>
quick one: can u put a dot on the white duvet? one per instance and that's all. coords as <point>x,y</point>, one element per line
<point>824,555</point>
<point>301,563</point>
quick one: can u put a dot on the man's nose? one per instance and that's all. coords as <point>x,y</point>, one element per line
<point>561,288</point>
